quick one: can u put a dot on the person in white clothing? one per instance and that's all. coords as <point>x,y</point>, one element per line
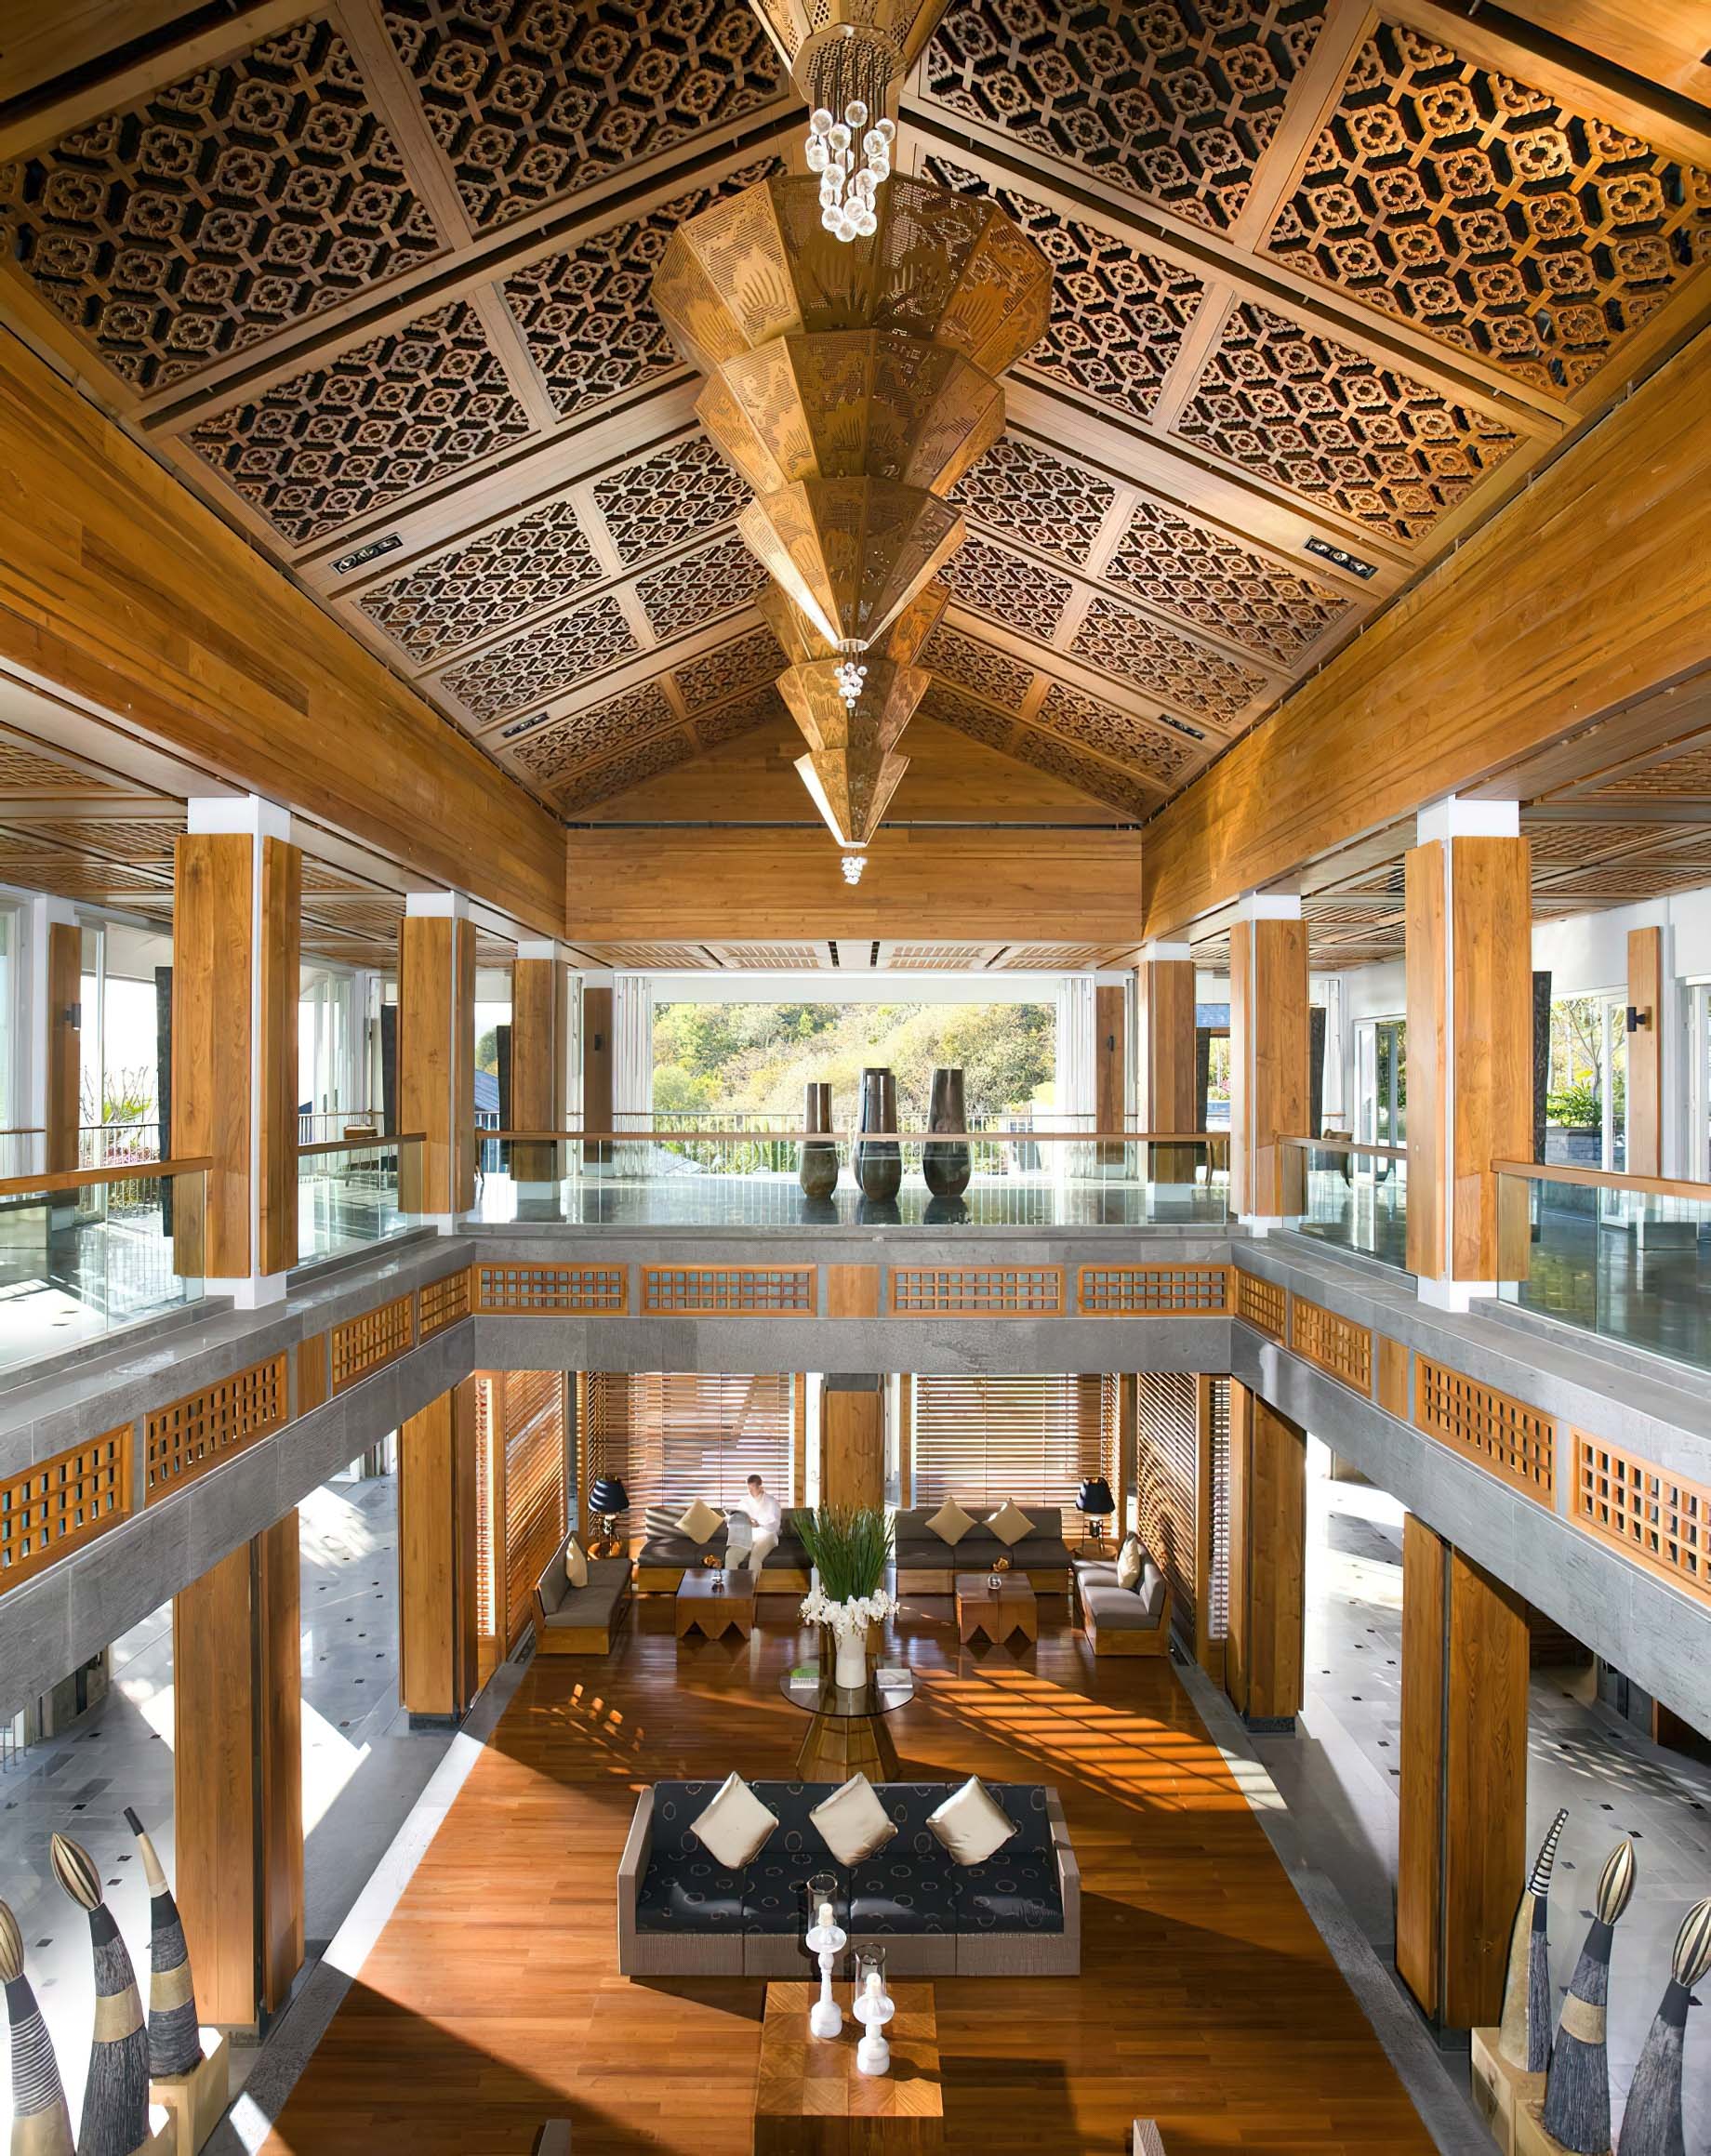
<point>768,1517</point>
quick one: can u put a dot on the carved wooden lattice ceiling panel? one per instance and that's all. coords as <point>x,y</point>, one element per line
<point>699,588</point>
<point>600,781</point>
<point>1159,756</point>
<point>532,100</point>
<point>1208,580</point>
<point>968,715</point>
<point>141,840</point>
<point>992,674</point>
<point>1104,781</point>
<point>483,586</point>
<point>1490,215</point>
<point>663,501</point>
<point>226,206</point>
<point>1164,99</point>
<point>1162,663</point>
<point>542,661</point>
<point>1054,505</point>
<point>552,752</point>
<point>757,656</point>
<point>762,706</point>
<point>1009,587</point>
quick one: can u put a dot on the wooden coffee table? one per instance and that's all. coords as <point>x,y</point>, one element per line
<point>716,1608</point>
<point>1013,1608</point>
<point>809,2099</point>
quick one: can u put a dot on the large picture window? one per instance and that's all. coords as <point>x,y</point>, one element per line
<point>984,1439</point>
<point>674,1437</point>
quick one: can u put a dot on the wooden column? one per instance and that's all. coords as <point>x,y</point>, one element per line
<point>1126,1466</point>
<point>64,1045</point>
<point>238,1776</point>
<point>436,1055</point>
<point>1469,945</point>
<point>537,1057</point>
<point>236,929</point>
<point>1264,1660</point>
<point>1645,980</point>
<point>1462,1850</point>
<point>851,1441</point>
<point>437,1660</point>
<point>597,1065</point>
<point>1268,1057</point>
<point>1110,1065</point>
<point>1165,1088</point>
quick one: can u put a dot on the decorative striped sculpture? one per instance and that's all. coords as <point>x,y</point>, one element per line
<point>41,2123</point>
<point>175,2042</point>
<point>115,2096</point>
<point>1524,2037</point>
<point>1577,2086</point>
<point>1651,2123</point>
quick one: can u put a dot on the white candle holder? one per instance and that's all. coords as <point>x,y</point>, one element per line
<point>826,1938</point>
<point>873,2007</point>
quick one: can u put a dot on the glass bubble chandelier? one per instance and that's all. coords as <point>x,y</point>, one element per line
<point>851,677</point>
<point>853,864</point>
<point>849,140</point>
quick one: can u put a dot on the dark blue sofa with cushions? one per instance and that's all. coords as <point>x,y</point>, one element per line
<point>680,1914</point>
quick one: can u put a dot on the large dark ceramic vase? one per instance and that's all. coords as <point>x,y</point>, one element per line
<point>879,1166</point>
<point>818,1171</point>
<point>946,1167</point>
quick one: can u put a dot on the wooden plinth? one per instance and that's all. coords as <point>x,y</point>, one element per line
<point>1013,1609</point>
<point>840,1745</point>
<point>1500,2090</point>
<point>1530,2139</point>
<point>809,2099</point>
<point>163,2134</point>
<point>730,1609</point>
<point>196,2102</point>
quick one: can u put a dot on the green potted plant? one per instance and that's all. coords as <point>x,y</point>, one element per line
<point>849,1549</point>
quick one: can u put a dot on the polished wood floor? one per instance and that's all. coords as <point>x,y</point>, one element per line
<point>1207,1999</point>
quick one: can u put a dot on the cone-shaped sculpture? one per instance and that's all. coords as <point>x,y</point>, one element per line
<point>1651,2123</point>
<point>901,643</point>
<point>115,2096</point>
<point>800,27</point>
<point>854,770</point>
<point>1524,2037</point>
<point>175,2041</point>
<point>41,2123</point>
<point>851,552</point>
<point>1577,2088</point>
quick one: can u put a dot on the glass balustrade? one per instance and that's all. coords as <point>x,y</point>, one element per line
<point>354,1192</point>
<point>1352,1195</point>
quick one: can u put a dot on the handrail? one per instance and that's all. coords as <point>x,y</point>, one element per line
<point>1606,1178</point>
<point>379,1139</point>
<point>867,1137</point>
<point>25,1130</point>
<point>84,1178</point>
<point>1348,1146</point>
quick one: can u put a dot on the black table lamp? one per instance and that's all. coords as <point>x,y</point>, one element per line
<point>608,1498</point>
<point>1094,1503</point>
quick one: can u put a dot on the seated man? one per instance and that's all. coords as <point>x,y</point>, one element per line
<point>768,1517</point>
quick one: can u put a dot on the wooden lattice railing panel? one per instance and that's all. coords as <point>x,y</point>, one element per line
<point>442,1303</point>
<point>1660,1519</point>
<point>361,1345</point>
<point>542,1291</point>
<point>1153,1290</point>
<point>188,1438</point>
<point>59,1504</point>
<point>730,1290</point>
<point>1261,1302</point>
<point>1335,1344</point>
<point>977,1292</point>
<point>1516,1442</point>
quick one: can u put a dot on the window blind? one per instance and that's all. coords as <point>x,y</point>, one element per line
<point>1166,1475</point>
<point>983,1439</point>
<point>677,1435</point>
<point>534,1412</point>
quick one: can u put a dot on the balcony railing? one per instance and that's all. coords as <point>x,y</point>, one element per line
<point>1627,1257</point>
<point>1349,1194</point>
<point>88,1251</point>
<point>352,1193</point>
<point>731,1170</point>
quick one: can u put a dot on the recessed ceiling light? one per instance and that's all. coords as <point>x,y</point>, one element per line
<point>372,552</point>
<point>1340,555</point>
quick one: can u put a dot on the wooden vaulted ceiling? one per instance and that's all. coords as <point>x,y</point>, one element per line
<point>1332,281</point>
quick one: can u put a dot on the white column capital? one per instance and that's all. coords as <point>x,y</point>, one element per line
<point>598,977</point>
<point>1269,906</point>
<point>1457,817</point>
<point>1162,954</point>
<point>243,815</point>
<point>436,905</point>
<point>539,948</point>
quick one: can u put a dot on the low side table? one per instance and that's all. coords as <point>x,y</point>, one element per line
<point>716,1602</point>
<point>1013,1608</point>
<point>809,2099</point>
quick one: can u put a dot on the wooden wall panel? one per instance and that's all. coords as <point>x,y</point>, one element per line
<point>1237,1637</point>
<point>1164,1070</point>
<point>1583,593</point>
<point>212,920</point>
<point>278,952</point>
<point>64,1045</point>
<point>851,1441</point>
<point>596,1066</point>
<point>1426,992</point>
<point>1269,1060</point>
<point>1110,1064</point>
<point>436,1555</point>
<point>537,1063</point>
<point>134,598</point>
<point>279,1717</point>
<point>1645,1154</point>
<point>1393,1376</point>
<point>1277,1565</point>
<point>1419,1886</point>
<point>852,1290</point>
<point>436,1055</point>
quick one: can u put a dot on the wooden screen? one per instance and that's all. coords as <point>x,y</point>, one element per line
<point>489,1528</point>
<point>1217,1552</point>
<point>675,1435</point>
<point>534,1412</point>
<point>1166,1472</point>
<point>983,1439</point>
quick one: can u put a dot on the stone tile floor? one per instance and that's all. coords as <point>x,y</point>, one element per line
<point>363,1767</point>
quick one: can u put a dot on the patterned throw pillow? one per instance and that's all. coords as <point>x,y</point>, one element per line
<point>735,1827</point>
<point>971,1824</point>
<point>951,1523</point>
<point>852,1821</point>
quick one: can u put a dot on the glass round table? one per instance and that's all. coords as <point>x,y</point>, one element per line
<point>846,1723</point>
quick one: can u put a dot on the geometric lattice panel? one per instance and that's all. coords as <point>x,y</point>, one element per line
<point>524,1291</point>
<point>217,211</point>
<point>1156,659</point>
<point>1261,1302</point>
<point>555,750</point>
<point>1660,1519</point>
<point>366,426</point>
<point>666,500</point>
<point>615,774</point>
<point>730,1290</point>
<point>1170,101</point>
<point>189,1436</point>
<point>990,673</point>
<point>542,660</point>
<point>363,1345</point>
<point>1488,214</point>
<point>683,594</point>
<point>1009,587</point>
<point>977,1292</point>
<point>1516,1442</point>
<point>756,656</point>
<point>1337,426</point>
<point>1184,569</point>
<point>442,1303</point>
<point>55,1506</point>
<point>1056,507</point>
<point>1332,1342</point>
<point>484,585</point>
<point>1115,733</point>
<point>1143,1291</point>
<point>1103,781</point>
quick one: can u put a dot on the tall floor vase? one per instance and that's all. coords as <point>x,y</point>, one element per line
<point>817,1172</point>
<point>115,2095</point>
<point>879,1163</point>
<point>41,2123</point>
<point>946,1167</point>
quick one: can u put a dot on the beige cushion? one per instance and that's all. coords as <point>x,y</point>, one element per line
<point>1129,1562</point>
<point>576,1563</point>
<point>700,1523</point>
<point>951,1523</point>
<point>853,1822</point>
<point>734,1828</point>
<point>972,1825</point>
<point>1009,1523</point>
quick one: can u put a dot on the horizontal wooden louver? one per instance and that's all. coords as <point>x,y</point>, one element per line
<point>674,1437</point>
<point>533,1416</point>
<point>983,1439</point>
<point>1166,1475</point>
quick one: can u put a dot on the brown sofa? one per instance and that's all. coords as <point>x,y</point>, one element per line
<point>580,1620</point>
<point>927,1565</point>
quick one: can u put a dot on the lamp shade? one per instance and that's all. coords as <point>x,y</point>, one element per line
<point>1095,1498</point>
<point>609,1495</point>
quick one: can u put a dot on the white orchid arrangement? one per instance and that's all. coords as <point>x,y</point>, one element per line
<point>856,1615</point>
<point>849,1551</point>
